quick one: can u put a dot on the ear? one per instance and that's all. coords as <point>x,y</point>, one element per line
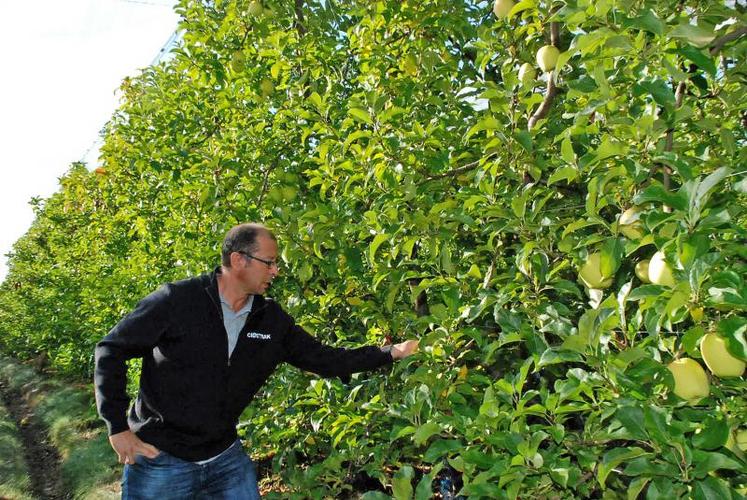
<point>236,259</point>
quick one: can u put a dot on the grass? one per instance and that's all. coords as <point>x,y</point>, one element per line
<point>14,478</point>
<point>89,466</point>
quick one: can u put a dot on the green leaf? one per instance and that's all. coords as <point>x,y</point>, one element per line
<point>695,35</point>
<point>661,91</point>
<point>375,244</point>
<point>636,486</point>
<point>711,488</point>
<point>655,422</point>
<point>702,59</point>
<point>691,340</point>
<point>648,465</point>
<point>612,253</point>
<point>734,332</point>
<point>425,432</point>
<point>361,115</point>
<point>728,141</point>
<point>713,433</point>
<point>316,100</point>
<point>613,458</point>
<point>524,138</point>
<point>657,193</point>
<point>402,483</point>
<point>631,418</point>
<point>440,449</point>
<point>566,151</point>
<point>660,489</point>
<point>519,204</point>
<point>647,22</point>
<point>487,123</point>
<point>563,174</point>
<point>554,356</point>
<point>375,495</point>
<point>709,461</point>
<point>489,407</point>
<point>424,490</point>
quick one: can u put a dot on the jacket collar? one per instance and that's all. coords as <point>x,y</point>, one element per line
<point>211,287</point>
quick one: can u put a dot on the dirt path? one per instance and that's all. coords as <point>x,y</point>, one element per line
<point>42,459</point>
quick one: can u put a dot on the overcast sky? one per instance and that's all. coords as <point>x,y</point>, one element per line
<point>62,61</point>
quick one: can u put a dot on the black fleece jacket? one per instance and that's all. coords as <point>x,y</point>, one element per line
<point>191,394</point>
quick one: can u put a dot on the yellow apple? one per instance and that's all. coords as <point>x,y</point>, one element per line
<point>630,224</point>
<point>690,380</point>
<point>527,74</point>
<point>591,273</point>
<point>641,270</point>
<point>501,8</point>
<point>718,359</point>
<point>659,271</point>
<point>547,57</point>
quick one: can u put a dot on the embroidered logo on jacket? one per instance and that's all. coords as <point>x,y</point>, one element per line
<point>258,336</point>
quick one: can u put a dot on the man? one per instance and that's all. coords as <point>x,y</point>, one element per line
<point>208,344</point>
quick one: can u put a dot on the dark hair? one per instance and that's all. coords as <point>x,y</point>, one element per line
<point>242,238</point>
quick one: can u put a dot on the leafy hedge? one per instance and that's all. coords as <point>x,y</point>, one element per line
<point>388,146</point>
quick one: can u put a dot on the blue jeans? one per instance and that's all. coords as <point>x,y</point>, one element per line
<point>232,476</point>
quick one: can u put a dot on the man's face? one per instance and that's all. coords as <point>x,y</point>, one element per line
<point>255,274</point>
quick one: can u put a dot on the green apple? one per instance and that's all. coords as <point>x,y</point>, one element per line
<point>659,271</point>
<point>410,65</point>
<point>547,57</point>
<point>641,270</point>
<point>731,443</point>
<point>696,313</point>
<point>718,359</point>
<point>690,380</point>
<point>501,8</point>
<point>254,8</point>
<point>591,273</point>
<point>289,193</point>
<point>527,74</point>
<point>238,61</point>
<point>275,194</point>
<point>266,87</point>
<point>630,224</point>
<point>742,440</point>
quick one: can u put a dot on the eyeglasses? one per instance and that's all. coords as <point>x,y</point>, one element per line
<point>268,263</point>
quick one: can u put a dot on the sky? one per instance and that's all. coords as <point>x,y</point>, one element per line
<point>62,63</point>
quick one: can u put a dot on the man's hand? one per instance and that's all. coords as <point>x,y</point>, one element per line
<point>404,349</point>
<point>127,445</point>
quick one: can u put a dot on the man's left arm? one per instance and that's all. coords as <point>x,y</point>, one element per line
<point>305,352</point>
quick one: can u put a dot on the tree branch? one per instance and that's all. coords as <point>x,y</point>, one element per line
<point>719,42</point>
<point>679,94</point>
<point>555,33</point>
<point>300,27</point>
<point>552,90</point>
